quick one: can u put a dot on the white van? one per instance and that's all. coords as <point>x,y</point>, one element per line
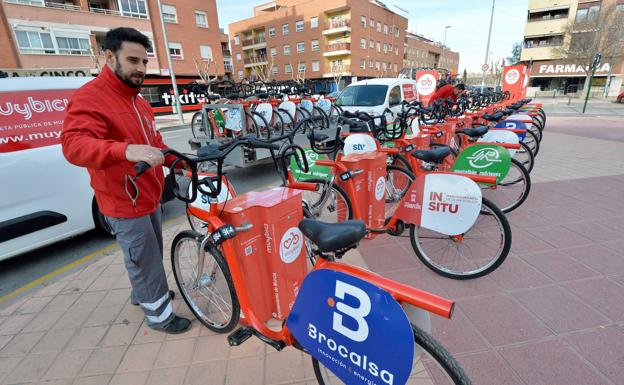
<point>375,95</point>
<point>43,198</point>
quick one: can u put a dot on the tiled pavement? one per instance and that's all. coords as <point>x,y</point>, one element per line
<point>553,313</point>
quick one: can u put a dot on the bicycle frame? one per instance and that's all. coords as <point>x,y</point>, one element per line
<point>402,293</point>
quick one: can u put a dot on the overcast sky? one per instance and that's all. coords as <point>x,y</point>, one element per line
<point>469,21</point>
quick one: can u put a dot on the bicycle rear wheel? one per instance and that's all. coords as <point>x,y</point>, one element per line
<point>209,292</point>
<point>328,203</point>
<point>433,365</point>
<point>513,190</point>
<point>525,157</point>
<point>477,252</point>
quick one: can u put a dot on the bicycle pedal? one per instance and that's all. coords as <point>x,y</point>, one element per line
<point>239,336</point>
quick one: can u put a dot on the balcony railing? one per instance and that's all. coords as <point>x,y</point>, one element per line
<point>338,69</point>
<point>258,40</point>
<point>104,11</point>
<point>227,67</point>
<point>338,47</point>
<point>227,53</point>
<point>340,23</point>
<point>68,7</point>
<point>255,59</point>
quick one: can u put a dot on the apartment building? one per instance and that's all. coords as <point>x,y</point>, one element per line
<point>423,52</point>
<point>545,32</point>
<point>65,38</point>
<point>318,40</point>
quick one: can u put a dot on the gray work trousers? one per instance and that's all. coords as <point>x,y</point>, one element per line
<point>142,244</point>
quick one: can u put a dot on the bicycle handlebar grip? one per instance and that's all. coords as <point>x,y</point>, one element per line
<point>141,167</point>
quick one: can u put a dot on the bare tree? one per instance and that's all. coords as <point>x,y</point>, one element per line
<point>337,71</point>
<point>598,33</point>
<point>203,69</point>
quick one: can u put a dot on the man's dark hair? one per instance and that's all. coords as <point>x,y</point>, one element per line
<point>460,86</point>
<point>115,37</point>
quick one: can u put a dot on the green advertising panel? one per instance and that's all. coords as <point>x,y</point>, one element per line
<point>316,172</point>
<point>484,159</point>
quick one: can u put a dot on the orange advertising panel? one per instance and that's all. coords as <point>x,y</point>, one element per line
<point>513,80</point>
<point>426,82</point>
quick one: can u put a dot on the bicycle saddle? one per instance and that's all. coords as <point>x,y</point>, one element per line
<point>493,117</point>
<point>436,154</point>
<point>475,132</point>
<point>318,137</point>
<point>333,236</point>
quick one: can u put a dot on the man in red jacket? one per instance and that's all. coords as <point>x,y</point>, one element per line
<point>109,127</point>
<point>448,91</point>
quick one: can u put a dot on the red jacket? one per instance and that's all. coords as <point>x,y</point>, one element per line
<point>103,117</point>
<point>446,91</point>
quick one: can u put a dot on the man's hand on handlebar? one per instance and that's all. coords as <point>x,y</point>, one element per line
<point>142,152</point>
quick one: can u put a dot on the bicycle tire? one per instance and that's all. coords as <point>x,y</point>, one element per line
<point>197,127</point>
<point>430,349</point>
<point>518,179</point>
<point>482,225</point>
<point>317,211</point>
<point>405,183</point>
<point>400,161</point>
<point>197,225</point>
<point>525,157</point>
<point>530,139</point>
<point>231,315</point>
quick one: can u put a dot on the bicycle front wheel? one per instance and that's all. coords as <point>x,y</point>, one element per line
<point>207,287</point>
<point>433,365</point>
<point>477,252</point>
<point>327,203</point>
<point>513,190</point>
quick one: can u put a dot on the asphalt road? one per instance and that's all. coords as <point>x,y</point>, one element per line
<point>21,270</point>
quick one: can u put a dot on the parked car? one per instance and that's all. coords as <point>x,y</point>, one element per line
<point>620,98</point>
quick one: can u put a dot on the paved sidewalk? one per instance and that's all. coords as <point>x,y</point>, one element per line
<point>552,314</point>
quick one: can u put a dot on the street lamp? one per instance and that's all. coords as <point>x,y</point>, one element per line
<point>444,45</point>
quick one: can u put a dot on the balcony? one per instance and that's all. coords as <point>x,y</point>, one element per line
<point>255,61</point>
<point>228,67</point>
<point>63,5</point>
<point>337,49</point>
<point>338,70</point>
<point>337,26</point>
<point>254,43</point>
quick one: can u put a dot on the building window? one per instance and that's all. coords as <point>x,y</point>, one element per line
<point>363,43</point>
<point>274,70</point>
<point>384,66</point>
<point>316,66</point>
<point>362,63</point>
<point>363,21</point>
<point>377,66</point>
<point>34,42</point>
<point>314,22</point>
<point>73,45</point>
<point>238,57</point>
<point>315,45</point>
<point>206,52</point>
<point>385,48</point>
<point>26,2</point>
<point>396,32</point>
<point>273,51</point>
<point>299,26</point>
<point>201,20</point>
<point>175,50</point>
<point>272,32</point>
<point>390,48</point>
<point>287,68</point>
<point>396,51</point>
<point>370,63</point>
<point>385,29</point>
<point>241,75</point>
<point>169,13</point>
<point>379,27</point>
<point>301,68</point>
<point>371,22</point>
<point>236,40</point>
<point>133,8</point>
<point>371,44</point>
<point>300,47</point>
<point>378,47</point>
<point>285,29</point>
<point>588,13</point>
<point>287,49</point>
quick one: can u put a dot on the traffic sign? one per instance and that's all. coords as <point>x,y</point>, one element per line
<point>485,67</point>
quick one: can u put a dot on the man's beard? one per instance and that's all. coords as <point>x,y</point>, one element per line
<point>127,78</point>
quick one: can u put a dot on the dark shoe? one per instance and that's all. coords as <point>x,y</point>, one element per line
<point>171,296</point>
<point>177,325</point>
